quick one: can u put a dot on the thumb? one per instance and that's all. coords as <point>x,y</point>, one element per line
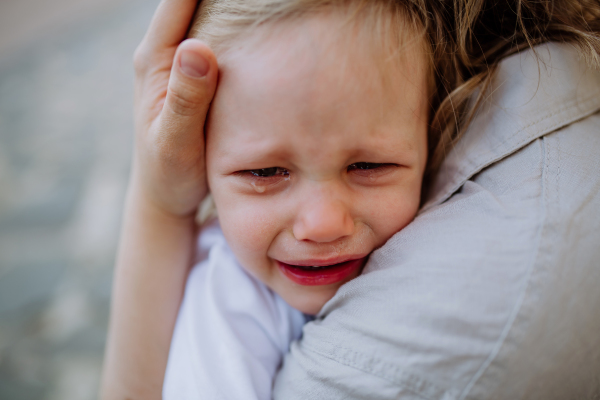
<point>192,85</point>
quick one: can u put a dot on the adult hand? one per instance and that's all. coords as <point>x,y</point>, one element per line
<point>174,85</point>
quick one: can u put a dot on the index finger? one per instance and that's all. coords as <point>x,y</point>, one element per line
<point>170,23</point>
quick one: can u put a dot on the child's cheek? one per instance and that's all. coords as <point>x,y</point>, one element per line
<point>390,209</point>
<point>250,227</point>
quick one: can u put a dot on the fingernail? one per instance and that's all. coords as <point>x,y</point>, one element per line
<point>193,64</point>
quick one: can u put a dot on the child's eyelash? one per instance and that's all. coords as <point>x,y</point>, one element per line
<point>268,172</point>
<point>363,166</point>
<point>366,166</point>
<point>272,172</point>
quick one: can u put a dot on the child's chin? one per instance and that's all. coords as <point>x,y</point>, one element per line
<point>310,303</point>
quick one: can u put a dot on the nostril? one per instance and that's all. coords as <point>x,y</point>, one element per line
<point>323,224</point>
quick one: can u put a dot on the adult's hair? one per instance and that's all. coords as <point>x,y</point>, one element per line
<point>466,40</point>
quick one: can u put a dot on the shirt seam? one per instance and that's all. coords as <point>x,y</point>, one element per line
<point>518,307</point>
<point>479,164</point>
<point>407,381</point>
<point>573,104</point>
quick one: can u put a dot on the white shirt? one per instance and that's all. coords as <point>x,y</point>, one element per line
<point>231,332</point>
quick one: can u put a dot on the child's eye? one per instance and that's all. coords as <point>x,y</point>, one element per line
<point>265,178</point>
<point>364,166</point>
<point>371,171</point>
<point>269,172</point>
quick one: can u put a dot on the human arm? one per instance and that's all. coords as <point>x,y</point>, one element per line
<point>173,89</point>
<point>148,284</point>
<point>491,293</point>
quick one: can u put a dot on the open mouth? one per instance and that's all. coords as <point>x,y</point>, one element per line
<point>322,275</point>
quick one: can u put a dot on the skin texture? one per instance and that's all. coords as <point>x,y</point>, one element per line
<point>303,100</point>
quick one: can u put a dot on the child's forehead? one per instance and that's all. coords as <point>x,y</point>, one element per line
<point>324,51</point>
<point>311,85</point>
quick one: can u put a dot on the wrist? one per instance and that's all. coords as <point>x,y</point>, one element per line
<point>155,253</point>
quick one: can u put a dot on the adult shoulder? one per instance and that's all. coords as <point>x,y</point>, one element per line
<point>491,292</point>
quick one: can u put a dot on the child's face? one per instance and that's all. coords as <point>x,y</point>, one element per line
<point>313,158</point>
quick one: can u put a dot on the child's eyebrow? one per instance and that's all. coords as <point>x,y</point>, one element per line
<point>253,152</point>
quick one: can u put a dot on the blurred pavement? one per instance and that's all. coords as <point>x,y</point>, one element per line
<point>65,142</point>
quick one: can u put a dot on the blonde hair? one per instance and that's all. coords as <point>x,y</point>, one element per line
<point>466,39</point>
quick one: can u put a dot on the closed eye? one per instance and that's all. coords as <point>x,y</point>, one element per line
<point>268,172</point>
<point>367,166</point>
<point>364,166</point>
<point>369,170</point>
<point>263,179</point>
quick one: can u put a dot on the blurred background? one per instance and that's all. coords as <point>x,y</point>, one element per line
<point>65,142</point>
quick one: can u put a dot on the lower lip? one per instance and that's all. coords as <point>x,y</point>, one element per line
<point>317,276</point>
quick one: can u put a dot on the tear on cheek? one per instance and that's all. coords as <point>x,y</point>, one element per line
<point>258,187</point>
<point>261,185</point>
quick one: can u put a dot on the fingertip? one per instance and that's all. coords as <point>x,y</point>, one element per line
<point>195,58</point>
<point>193,64</point>
<point>192,83</point>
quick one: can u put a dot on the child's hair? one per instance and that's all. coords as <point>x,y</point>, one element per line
<point>466,39</point>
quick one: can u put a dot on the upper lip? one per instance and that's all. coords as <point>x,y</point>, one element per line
<point>314,262</point>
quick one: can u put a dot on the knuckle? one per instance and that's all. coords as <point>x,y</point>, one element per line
<point>186,100</point>
<point>141,57</point>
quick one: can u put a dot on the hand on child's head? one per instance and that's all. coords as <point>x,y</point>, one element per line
<point>175,83</point>
<point>316,148</point>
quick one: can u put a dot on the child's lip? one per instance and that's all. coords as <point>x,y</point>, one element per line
<point>309,274</point>
<point>314,262</point>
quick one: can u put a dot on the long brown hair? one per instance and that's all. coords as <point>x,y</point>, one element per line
<point>472,36</point>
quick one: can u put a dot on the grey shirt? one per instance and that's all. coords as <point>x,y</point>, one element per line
<point>493,291</point>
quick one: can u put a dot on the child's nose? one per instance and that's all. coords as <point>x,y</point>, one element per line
<point>323,220</point>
